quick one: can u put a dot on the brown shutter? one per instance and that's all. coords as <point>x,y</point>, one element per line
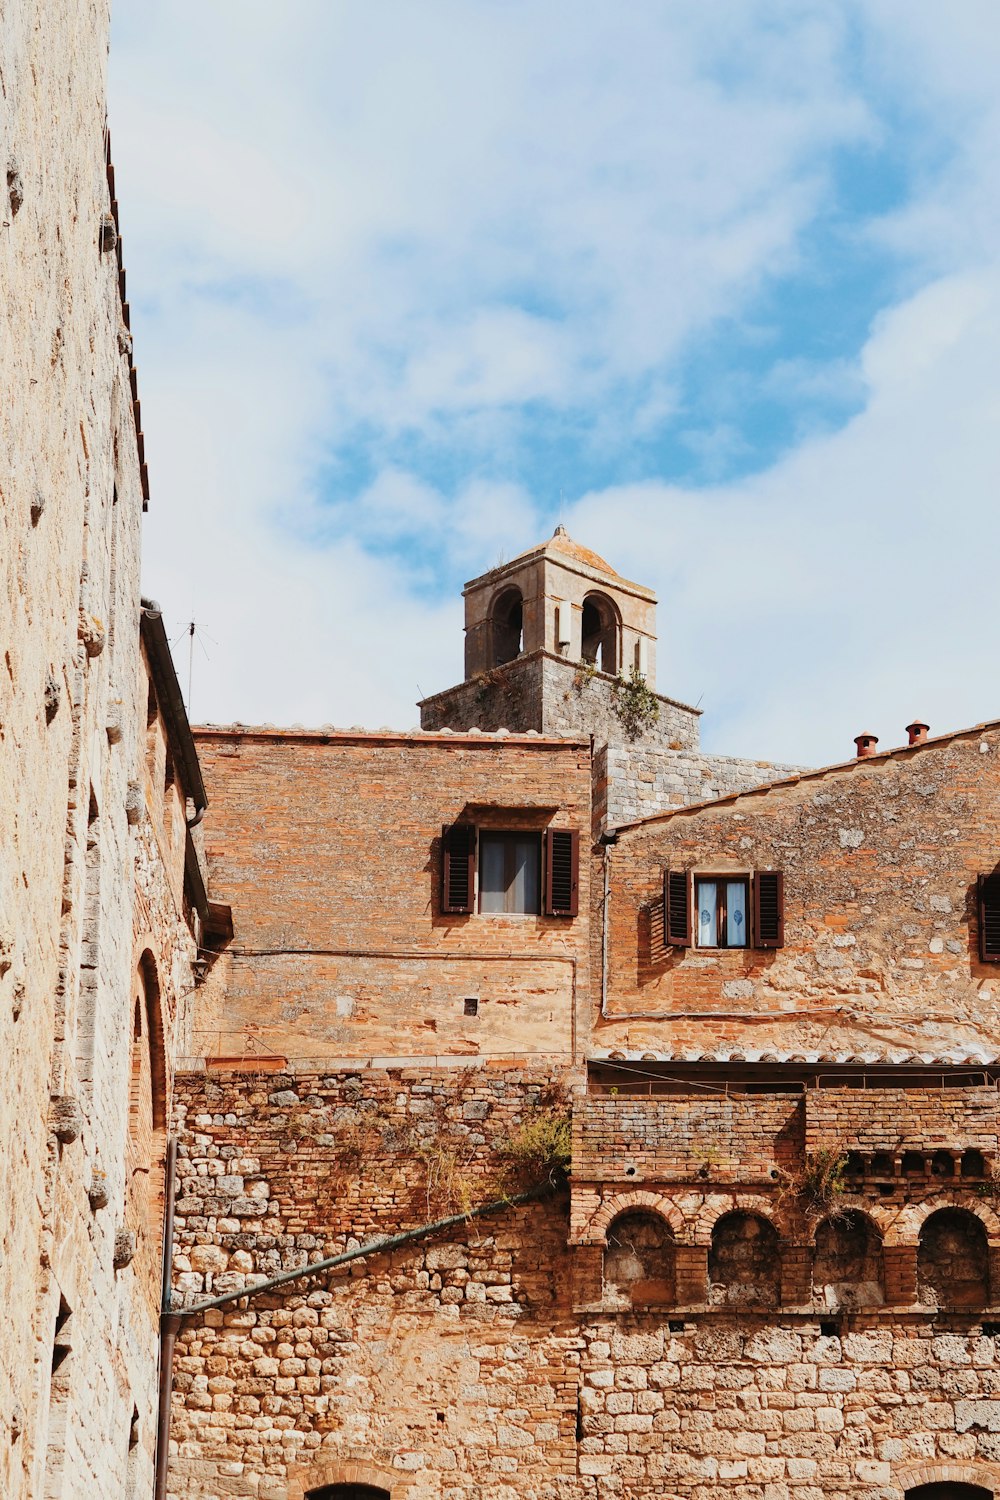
<point>562,872</point>
<point>458,867</point>
<point>769,909</point>
<point>989,918</point>
<point>676,909</point>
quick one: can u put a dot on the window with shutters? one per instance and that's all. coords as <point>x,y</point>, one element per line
<point>723,911</point>
<point>518,872</point>
<point>510,872</point>
<point>989,918</point>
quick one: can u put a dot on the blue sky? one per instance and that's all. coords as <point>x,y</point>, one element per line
<point>718,286</point>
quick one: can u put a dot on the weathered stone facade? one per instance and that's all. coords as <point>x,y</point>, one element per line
<point>96,950</point>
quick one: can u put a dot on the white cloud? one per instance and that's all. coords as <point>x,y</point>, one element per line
<point>347,227</point>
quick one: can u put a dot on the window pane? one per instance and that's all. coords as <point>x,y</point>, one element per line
<point>509,872</point>
<point>707,892</point>
<point>492,884</point>
<point>525,889</point>
<point>736,914</point>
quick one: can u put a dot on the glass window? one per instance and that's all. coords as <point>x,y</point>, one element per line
<point>723,913</point>
<point>509,872</point>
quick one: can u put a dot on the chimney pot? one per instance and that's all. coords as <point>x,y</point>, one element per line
<point>866,745</point>
<point>917,732</point>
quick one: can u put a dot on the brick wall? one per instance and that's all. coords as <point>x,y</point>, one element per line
<point>474,1361</point>
<point>329,849</point>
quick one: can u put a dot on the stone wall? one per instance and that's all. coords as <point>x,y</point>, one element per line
<point>482,1357</point>
<point>880,952</point>
<point>78,1345</point>
<point>328,847</point>
<point>636,782</point>
<point>549,694</point>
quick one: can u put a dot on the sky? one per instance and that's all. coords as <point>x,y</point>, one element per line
<point>717,287</point>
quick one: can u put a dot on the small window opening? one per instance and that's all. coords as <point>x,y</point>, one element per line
<point>508,627</point>
<point>913,1164</point>
<point>883,1165</point>
<point>471,1006</point>
<point>854,1164</point>
<point>721,907</point>
<point>599,634</point>
<point>509,872</point>
<point>973,1164</point>
<point>829,1328</point>
<point>943,1164</point>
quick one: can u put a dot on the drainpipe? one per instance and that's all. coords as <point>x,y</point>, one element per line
<point>169,1324</point>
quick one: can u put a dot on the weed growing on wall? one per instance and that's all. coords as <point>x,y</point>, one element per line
<point>636,705</point>
<point>817,1188</point>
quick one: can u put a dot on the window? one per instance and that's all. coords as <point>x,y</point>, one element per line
<point>721,912</point>
<point>509,872</point>
<point>516,870</point>
<point>988,887</point>
<point>724,911</point>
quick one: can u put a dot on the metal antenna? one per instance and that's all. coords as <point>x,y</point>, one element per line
<point>194,632</point>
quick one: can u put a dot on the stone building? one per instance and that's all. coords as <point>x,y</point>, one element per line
<point>102,894</point>
<point>530,1103</point>
<point>760,1019</point>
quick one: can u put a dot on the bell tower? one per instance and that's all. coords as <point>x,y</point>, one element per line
<point>549,639</point>
<point>563,599</point>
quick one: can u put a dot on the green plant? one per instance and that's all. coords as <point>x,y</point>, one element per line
<point>635,703</point>
<point>818,1185</point>
<point>585,672</point>
<point>538,1152</point>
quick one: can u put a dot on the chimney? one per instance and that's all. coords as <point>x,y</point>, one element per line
<point>917,732</point>
<point>866,745</point>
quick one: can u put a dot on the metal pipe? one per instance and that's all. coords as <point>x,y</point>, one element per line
<point>169,1324</point>
<point>371,1247</point>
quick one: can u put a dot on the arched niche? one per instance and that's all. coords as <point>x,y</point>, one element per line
<point>953,1260</point>
<point>506,626</point>
<point>744,1265</point>
<point>348,1492</point>
<point>947,1489</point>
<point>600,633</point>
<point>639,1261</point>
<point>847,1267</point>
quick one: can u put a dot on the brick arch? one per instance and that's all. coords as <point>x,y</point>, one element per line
<point>737,1203</point>
<point>874,1215</point>
<point>340,1470</point>
<point>910,1476</point>
<point>905,1227</point>
<point>639,1201</point>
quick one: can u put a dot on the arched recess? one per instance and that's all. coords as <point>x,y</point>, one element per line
<point>906,1225</point>
<point>506,626</point>
<point>639,1261</point>
<point>947,1489</point>
<point>744,1265</point>
<point>348,1492</point>
<point>847,1267</point>
<point>342,1476</point>
<point>634,1202</point>
<point>601,633</point>
<point>714,1209</point>
<point>953,1260</point>
<point>147,1108</point>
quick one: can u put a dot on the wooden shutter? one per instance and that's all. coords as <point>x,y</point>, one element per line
<point>989,918</point>
<point>562,872</point>
<point>676,909</point>
<point>769,909</point>
<point>458,867</point>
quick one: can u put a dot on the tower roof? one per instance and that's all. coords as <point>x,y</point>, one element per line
<point>561,542</point>
<point>561,547</point>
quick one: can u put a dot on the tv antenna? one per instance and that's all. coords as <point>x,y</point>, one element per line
<point>194,632</point>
